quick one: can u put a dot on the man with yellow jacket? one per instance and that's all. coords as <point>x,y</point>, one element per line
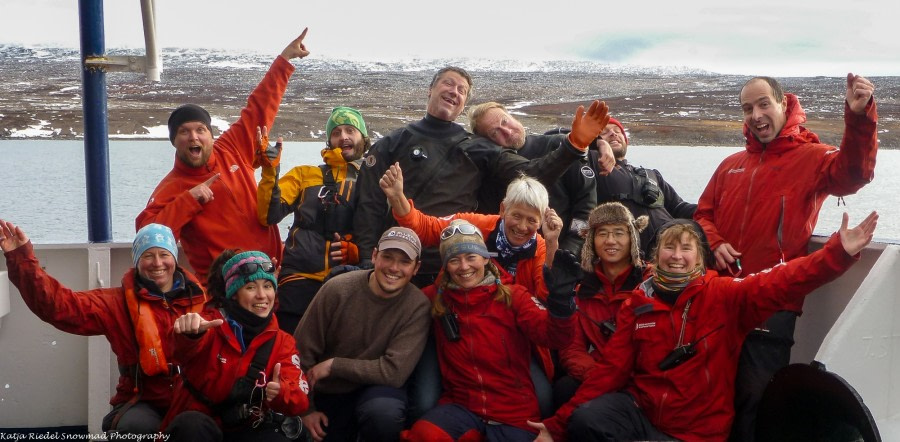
<point>322,199</point>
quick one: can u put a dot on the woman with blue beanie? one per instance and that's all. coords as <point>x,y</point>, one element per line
<point>241,376</point>
<point>136,318</point>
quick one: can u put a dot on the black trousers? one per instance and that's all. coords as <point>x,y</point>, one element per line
<point>612,417</point>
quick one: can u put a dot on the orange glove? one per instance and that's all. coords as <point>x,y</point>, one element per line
<point>586,127</point>
<point>268,156</point>
<point>343,252</point>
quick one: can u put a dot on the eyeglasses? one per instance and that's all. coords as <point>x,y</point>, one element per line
<point>249,268</point>
<point>464,228</point>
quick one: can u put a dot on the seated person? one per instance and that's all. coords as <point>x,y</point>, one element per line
<point>611,260</point>
<point>668,372</point>
<point>241,376</point>
<point>361,337</point>
<point>484,329</point>
<point>135,318</point>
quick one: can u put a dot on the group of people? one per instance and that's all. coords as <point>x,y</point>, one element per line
<point>439,284</point>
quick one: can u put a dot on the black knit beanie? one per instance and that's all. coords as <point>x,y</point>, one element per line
<point>185,113</point>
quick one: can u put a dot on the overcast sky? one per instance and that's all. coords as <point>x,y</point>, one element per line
<point>763,37</point>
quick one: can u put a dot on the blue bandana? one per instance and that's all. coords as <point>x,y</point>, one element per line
<point>506,251</point>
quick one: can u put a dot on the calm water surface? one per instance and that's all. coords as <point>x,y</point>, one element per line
<point>43,184</point>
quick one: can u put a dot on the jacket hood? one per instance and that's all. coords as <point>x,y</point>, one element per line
<point>791,135</point>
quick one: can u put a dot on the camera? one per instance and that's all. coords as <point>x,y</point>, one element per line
<point>677,357</point>
<point>649,188</point>
<point>451,327</point>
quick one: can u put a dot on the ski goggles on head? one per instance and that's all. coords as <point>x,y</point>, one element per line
<point>464,228</point>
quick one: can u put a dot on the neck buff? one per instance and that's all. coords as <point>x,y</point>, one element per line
<point>245,324</point>
<point>671,284</point>
<point>507,251</point>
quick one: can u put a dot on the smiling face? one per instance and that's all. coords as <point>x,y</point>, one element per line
<point>502,128</point>
<point>349,139</point>
<point>257,297</point>
<point>447,96</point>
<point>158,265</point>
<point>679,254</point>
<point>393,269</point>
<point>616,139</point>
<point>466,270</point>
<point>764,114</point>
<point>520,223</point>
<point>612,244</point>
<point>193,143</point>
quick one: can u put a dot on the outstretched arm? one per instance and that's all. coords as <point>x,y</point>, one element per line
<point>853,166</point>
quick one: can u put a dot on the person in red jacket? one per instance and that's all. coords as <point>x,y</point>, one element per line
<point>611,260</point>
<point>761,205</point>
<point>209,197</point>
<point>135,318</point>
<point>668,370</point>
<point>484,329</point>
<point>240,373</point>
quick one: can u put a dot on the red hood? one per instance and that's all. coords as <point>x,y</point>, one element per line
<point>791,135</point>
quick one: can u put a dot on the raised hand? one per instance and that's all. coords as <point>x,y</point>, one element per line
<point>587,125</point>
<point>859,91</point>
<point>296,48</point>
<point>343,251</point>
<point>269,156</point>
<point>859,237</point>
<point>391,184</point>
<point>11,236</point>
<point>552,226</point>
<point>194,324</point>
<point>273,387</point>
<point>203,192</point>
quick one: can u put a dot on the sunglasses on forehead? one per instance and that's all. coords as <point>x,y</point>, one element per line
<point>465,229</point>
<point>249,268</point>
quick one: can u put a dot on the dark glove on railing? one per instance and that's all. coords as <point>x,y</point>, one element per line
<point>561,281</point>
<point>337,270</point>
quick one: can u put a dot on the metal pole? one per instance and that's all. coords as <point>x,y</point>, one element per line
<point>96,143</point>
<point>153,60</point>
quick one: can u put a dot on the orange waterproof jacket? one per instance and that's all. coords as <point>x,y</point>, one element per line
<point>765,200</point>
<point>694,401</point>
<point>213,362</point>
<point>104,312</point>
<point>529,272</point>
<point>487,369</point>
<point>229,220</point>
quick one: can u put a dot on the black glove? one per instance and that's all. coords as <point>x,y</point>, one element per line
<point>561,281</point>
<point>366,264</point>
<point>337,270</point>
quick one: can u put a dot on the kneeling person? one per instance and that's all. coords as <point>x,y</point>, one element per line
<point>362,336</point>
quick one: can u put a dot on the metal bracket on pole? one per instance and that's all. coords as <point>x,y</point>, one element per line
<point>117,63</point>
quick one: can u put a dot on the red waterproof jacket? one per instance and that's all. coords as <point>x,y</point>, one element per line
<point>694,401</point>
<point>103,312</point>
<point>229,220</point>
<point>486,371</point>
<point>529,272</point>
<point>213,362</point>
<point>598,301</point>
<point>765,201</point>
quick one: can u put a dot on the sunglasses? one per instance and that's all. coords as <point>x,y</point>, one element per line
<point>465,229</point>
<point>249,268</point>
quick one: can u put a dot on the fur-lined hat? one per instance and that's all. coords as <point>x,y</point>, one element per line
<point>612,213</point>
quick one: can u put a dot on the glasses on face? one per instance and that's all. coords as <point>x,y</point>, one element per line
<point>465,229</point>
<point>617,234</point>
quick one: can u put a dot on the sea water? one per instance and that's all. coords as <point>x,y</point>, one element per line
<point>42,188</point>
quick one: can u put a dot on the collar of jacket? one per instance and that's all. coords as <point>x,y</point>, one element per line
<point>792,134</point>
<point>694,289</point>
<point>594,284</point>
<point>470,297</point>
<point>333,157</point>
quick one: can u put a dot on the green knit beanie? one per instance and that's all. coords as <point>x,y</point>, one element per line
<point>247,267</point>
<point>342,115</point>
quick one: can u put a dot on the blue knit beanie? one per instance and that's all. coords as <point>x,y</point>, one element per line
<point>153,235</point>
<point>235,271</point>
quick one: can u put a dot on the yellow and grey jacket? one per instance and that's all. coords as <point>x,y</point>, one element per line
<point>322,199</point>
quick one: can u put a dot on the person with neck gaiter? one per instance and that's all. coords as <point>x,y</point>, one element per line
<point>484,329</point>
<point>668,371</point>
<point>135,318</point>
<point>241,375</point>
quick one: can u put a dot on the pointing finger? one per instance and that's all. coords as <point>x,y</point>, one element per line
<point>212,179</point>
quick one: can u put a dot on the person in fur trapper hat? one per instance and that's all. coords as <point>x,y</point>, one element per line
<point>611,260</point>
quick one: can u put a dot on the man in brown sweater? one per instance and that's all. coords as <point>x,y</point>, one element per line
<point>359,341</point>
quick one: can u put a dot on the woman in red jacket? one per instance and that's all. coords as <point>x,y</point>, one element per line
<point>135,318</point>
<point>668,371</point>
<point>240,373</point>
<point>611,260</point>
<point>484,329</point>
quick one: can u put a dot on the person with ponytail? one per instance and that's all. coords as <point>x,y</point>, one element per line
<point>484,329</point>
<point>668,371</point>
<point>241,375</point>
